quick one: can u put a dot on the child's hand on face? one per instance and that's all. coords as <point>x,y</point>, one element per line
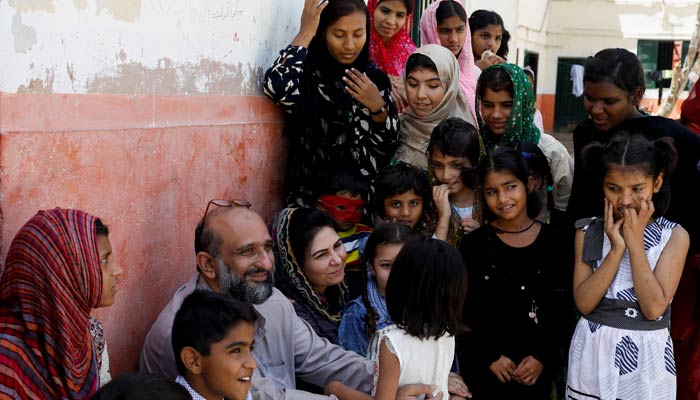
<point>528,371</point>
<point>635,223</point>
<point>612,228</point>
<point>469,224</point>
<point>441,197</point>
<point>503,368</point>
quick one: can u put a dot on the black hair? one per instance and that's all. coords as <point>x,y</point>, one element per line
<point>385,233</point>
<point>480,19</point>
<point>629,151</point>
<point>335,10</point>
<point>510,161</point>
<point>101,228</point>
<point>407,3</point>
<point>426,289</point>
<point>400,178</point>
<point>618,66</point>
<point>342,179</point>
<point>417,60</point>
<point>496,79</point>
<point>304,224</point>
<point>205,318</point>
<point>455,137</point>
<point>503,50</point>
<point>141,386</point>
<point>539,167</point>
<point>448,9</point>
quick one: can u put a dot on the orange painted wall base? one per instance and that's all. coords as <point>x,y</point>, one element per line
<point>147,166</point>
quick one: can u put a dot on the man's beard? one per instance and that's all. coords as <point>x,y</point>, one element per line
<point>237,286</point>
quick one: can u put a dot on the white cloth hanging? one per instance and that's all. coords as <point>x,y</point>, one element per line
<point>577,78</point>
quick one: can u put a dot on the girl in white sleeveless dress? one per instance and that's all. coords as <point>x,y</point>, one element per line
<point>424,295</point>
<point>627,271</point>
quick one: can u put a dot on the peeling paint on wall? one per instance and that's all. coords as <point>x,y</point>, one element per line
<point>25,36</point>
<point>33,5</point>
<point>123,10</point>
<point>37,86</point>
<point>70,70</point>
<point>234,41</point>
<point>204,77</point>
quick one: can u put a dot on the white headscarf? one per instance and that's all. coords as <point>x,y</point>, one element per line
<point>415,130</point>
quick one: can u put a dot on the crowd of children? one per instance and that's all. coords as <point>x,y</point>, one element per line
<point>430,226</point>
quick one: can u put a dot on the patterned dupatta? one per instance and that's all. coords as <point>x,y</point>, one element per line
<point>454,230</point>
<point>390,58</point>
<point>290,278</point>
<point>52,280</point>
<point>521,124</point>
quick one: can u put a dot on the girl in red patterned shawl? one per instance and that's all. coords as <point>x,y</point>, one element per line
<point>59,267</point>
<point>390,41</point>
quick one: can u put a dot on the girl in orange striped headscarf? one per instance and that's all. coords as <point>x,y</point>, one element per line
<point>57,270</point>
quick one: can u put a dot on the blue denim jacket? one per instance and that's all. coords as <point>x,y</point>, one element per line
<point>351,332</point>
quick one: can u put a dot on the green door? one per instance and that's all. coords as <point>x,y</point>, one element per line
<point>568,109</point>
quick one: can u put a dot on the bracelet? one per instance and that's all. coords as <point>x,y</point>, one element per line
<point>381,110</point>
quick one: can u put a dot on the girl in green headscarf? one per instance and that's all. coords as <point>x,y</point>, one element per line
<point>505,107</point>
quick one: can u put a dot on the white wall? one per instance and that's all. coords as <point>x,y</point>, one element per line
<point>581,28</point>
<point>142,46</point>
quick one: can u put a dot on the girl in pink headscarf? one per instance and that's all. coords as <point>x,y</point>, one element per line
<point>445,23</point>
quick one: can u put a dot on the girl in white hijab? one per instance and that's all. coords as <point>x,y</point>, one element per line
<point>433,92</point>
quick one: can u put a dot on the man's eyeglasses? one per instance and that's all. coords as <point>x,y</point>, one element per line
<point>225,203</point>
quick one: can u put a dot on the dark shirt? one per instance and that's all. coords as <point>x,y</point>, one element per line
<point>587,192</point>
<point>325,126</point>
<point>515,307</point>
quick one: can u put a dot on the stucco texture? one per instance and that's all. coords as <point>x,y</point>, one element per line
<point>150,185</point>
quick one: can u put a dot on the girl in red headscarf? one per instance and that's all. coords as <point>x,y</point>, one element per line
<point>390,41</point>
<point>59,267</point>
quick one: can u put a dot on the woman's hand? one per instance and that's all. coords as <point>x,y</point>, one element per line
<point>362,89</point>
<point>310,17</point>
<point>469,224</point>
<point>528,371</point>
<point>398,93</point>
<point>503,368</point>
<point>612,228</point>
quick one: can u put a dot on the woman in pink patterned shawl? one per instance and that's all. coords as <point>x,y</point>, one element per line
<point>445,23</point>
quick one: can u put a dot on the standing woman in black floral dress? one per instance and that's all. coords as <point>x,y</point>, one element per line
<point>337,103</point>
